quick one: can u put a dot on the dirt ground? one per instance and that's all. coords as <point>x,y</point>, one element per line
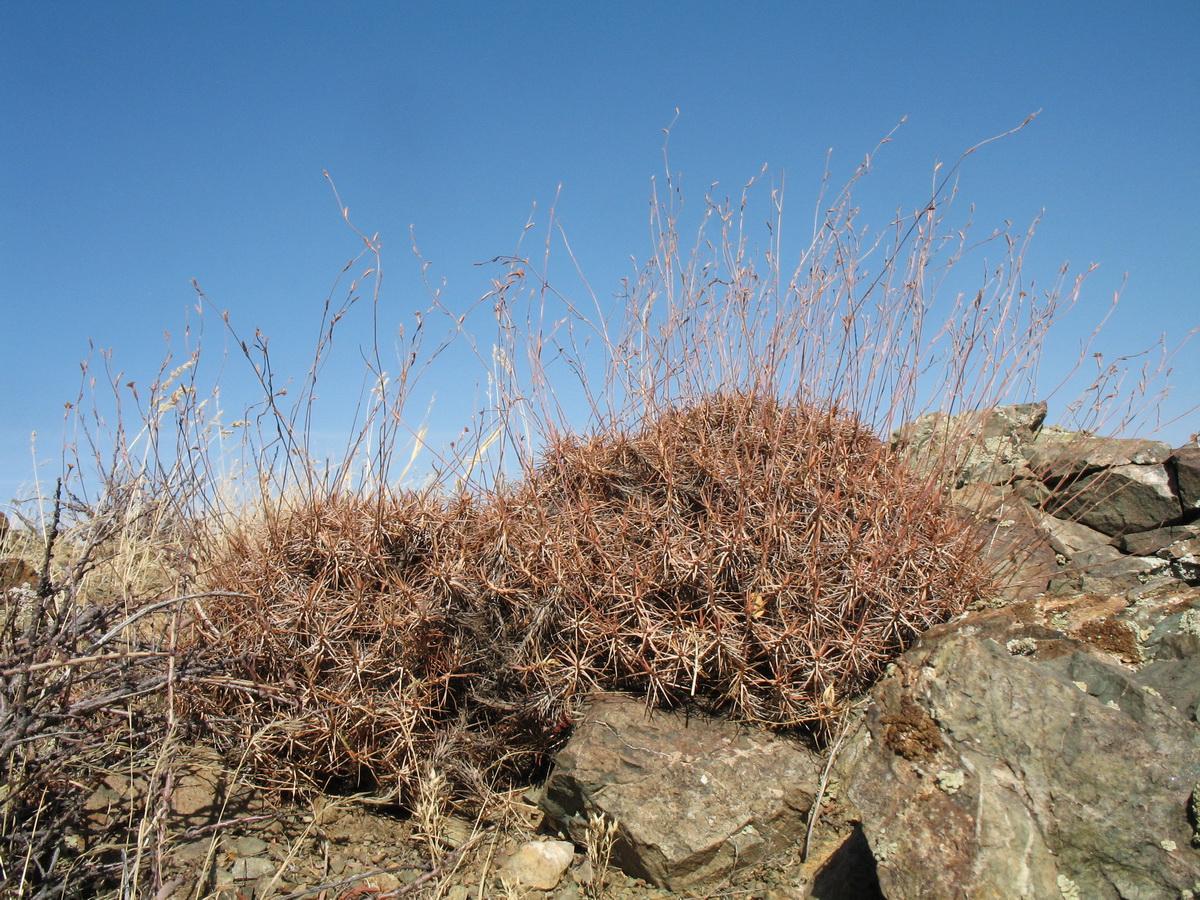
<point>233,843</point>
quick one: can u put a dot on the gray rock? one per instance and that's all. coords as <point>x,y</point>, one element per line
<point>1176,680</point>
<point>984,774</point>
<point>1186,461</point>
<point>1065,455</point>
<point>694,798</point>
<point>1072,538</point>
<point>986,446</point>
<point>1167,610</point>
<point>1116,576</point>
<point>1096,557</point>
<point>248,846</point>
<point>1020,547</point>
<point>539,865</point>
<point>1183,556</point>
<point>1022,554</point>
<point>1148,543</point>
<point>250,868</point>
<point>1119,500</point>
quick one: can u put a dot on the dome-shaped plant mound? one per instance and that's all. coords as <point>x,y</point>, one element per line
<point>758,559</point>
<point>356,643</point>
<point>751,558</point>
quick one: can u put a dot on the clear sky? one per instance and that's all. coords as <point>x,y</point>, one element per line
<point>146,144</point>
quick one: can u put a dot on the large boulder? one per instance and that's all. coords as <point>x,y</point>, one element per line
<point>1120,500</point>
<point>694,798</point>
<point>1059,454</point>
<point>1031,768</point>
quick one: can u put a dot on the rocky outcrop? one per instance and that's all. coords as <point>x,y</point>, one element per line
<point>1113,486</point>
<point>1030,767</point>
<point>1118,514</point>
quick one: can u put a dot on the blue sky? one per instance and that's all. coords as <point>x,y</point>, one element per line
<point>146,144</point>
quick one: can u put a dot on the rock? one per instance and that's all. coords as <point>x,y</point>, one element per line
<point>1070,538</point>
<point>382,884</point>
<point>987,774</point>
<point>1186,461</point>
<point>1119,500</point>
<point>201,789</point>
<point>1115,575</point>
<point>1176,680</point>
<point>679,790</point>
<point>1060,456</point>
<point>15,572</point>
<point>1022,554</point>
<point>1183,556</point>
<point>981,447</point>
<point>1165,616</point>
<point>455,831</point>
<point>250,868</point>
<point>1112,485</point>
<point>537,864</point>
<point>248,846</point>
<point>1094,557</point>
<point>1147,543</point>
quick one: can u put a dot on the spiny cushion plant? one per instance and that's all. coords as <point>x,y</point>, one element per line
<point>357,646</point>
<point>759,559</point>
<point>752,558</point>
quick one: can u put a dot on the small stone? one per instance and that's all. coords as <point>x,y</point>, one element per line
<point>583,873</point>
<point>456,831</point>
<point>193,853</point>
<point>1022,646</point>
<point>538,864</point>
<point>383,883</point>
<point>251,868</point>
<point>73,842</point>
<point>249,846</point>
